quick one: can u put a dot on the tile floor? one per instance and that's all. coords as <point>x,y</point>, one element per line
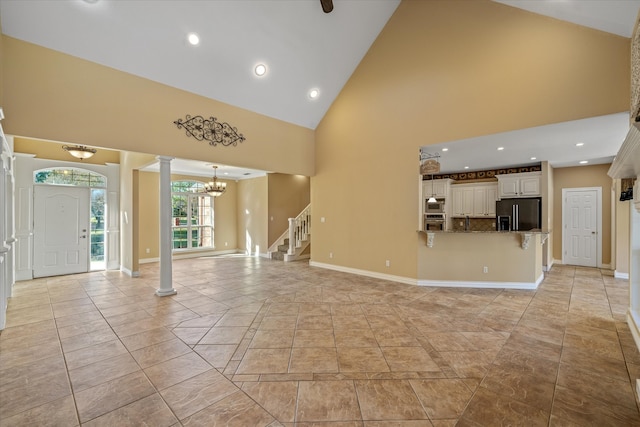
<point>255,342</point>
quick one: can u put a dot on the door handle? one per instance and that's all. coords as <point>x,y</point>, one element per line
<point>593,232</point>
<point>83,237</point>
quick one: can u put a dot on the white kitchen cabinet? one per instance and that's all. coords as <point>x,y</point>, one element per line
<point>484,201</point>
<point>476,200</point>
<point>519,185</point>
<point>492,197</point>
<point>462,200</point>
<point>440,188</point>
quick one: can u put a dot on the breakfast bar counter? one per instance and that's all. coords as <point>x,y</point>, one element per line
<point>487,259</point>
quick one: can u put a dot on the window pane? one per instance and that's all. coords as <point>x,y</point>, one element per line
<point>97,224</point>
<point>180,238</point>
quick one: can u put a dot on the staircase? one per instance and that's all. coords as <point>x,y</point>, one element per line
<point>293,242</point>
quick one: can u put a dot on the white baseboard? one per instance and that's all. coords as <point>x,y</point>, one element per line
<point>548,267</point>
<point>606,266</point>
<point>367,273</point>
<point>487,285</point>
<point>619,275</point>
<point>128,272</point>
<point>188,255</point>
<point>440,283</point>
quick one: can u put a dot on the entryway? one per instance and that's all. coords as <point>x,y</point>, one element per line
<point>68,230</point>
<point>581,224</point>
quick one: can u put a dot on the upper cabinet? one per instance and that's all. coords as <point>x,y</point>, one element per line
<point>519,185</point>
<point>438,187</point>
<point>474,200</point>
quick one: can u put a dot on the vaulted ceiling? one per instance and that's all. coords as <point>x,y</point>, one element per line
<point>302,48</point>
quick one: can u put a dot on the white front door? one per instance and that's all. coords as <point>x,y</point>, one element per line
<point>60,230</point>
<point>580,227</point>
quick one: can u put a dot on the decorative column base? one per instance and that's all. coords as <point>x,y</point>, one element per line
<point>166,292</point>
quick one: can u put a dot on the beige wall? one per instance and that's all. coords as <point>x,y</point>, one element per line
<point>582,177</point>
<point>129,215</point>
<point>62,98</point>
<point>148,209</point>
<point>622,230</point>
<point>441,71</point>
<point>253,214</point>
<point>288,196</point>
<point>53,150</point>
<point>149,200</point>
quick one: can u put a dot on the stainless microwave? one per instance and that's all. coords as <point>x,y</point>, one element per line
<point>434,207</point>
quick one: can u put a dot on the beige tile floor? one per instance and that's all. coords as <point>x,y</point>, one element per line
<point>255,342</point>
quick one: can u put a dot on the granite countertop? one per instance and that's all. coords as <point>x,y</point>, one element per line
<point>533,231</point>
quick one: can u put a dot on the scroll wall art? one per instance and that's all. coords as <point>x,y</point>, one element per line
<point>210,130</point>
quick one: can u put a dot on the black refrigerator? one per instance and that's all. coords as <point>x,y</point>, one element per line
<point>519,214</point>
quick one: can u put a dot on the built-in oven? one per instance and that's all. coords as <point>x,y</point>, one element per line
<point>434,221</point>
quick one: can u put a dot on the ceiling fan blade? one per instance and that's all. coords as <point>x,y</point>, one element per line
<point>327,5</point>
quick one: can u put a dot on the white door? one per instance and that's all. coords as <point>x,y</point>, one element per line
<point>60,230</point>
<point>580,209</point>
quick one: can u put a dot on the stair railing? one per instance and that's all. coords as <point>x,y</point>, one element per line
<point>299,229</point>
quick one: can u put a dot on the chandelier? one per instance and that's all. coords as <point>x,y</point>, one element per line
<point>80,151</point>
<point>214,187</point>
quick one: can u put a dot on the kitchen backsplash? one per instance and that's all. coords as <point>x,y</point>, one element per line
<point>476,224</point>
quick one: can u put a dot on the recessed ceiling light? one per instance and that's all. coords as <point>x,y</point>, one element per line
<point>533,158</point>
<point>193,39</point>
<point>314,93</point>
<point>445,149</point>
<point>466,167</point>
<point>91,1</point>
<point>260,70</point>
<point>579,144</point>
<point>500,148</point>
<point>584,162</point>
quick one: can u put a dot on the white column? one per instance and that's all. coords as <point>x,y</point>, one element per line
<point>166,280</point>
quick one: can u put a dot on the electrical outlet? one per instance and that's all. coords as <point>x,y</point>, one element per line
<point>388,263</point>
<point>148,251</point>
<point>461,224</point>
<point>330,254</point>
<point>322,219</point>
<point>485,269</point>
<point>226,243</point>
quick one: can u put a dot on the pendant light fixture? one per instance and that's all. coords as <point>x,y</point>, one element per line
<point>429,166</point>
<point>80,151</point>
<point>432,199</point>
<point>214,187</point>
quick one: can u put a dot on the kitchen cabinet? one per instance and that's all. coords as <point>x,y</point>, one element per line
<point>474,200</point>
<point>519,185</point>
<point>484,201</point>
<point>462,200</point>
<point>440,188</point>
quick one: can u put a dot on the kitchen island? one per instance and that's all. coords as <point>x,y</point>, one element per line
<point>483,259</point>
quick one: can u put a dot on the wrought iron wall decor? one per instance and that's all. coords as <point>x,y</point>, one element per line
<point>210,130</point>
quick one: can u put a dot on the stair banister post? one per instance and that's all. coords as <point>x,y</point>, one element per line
<point>292,235</point>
